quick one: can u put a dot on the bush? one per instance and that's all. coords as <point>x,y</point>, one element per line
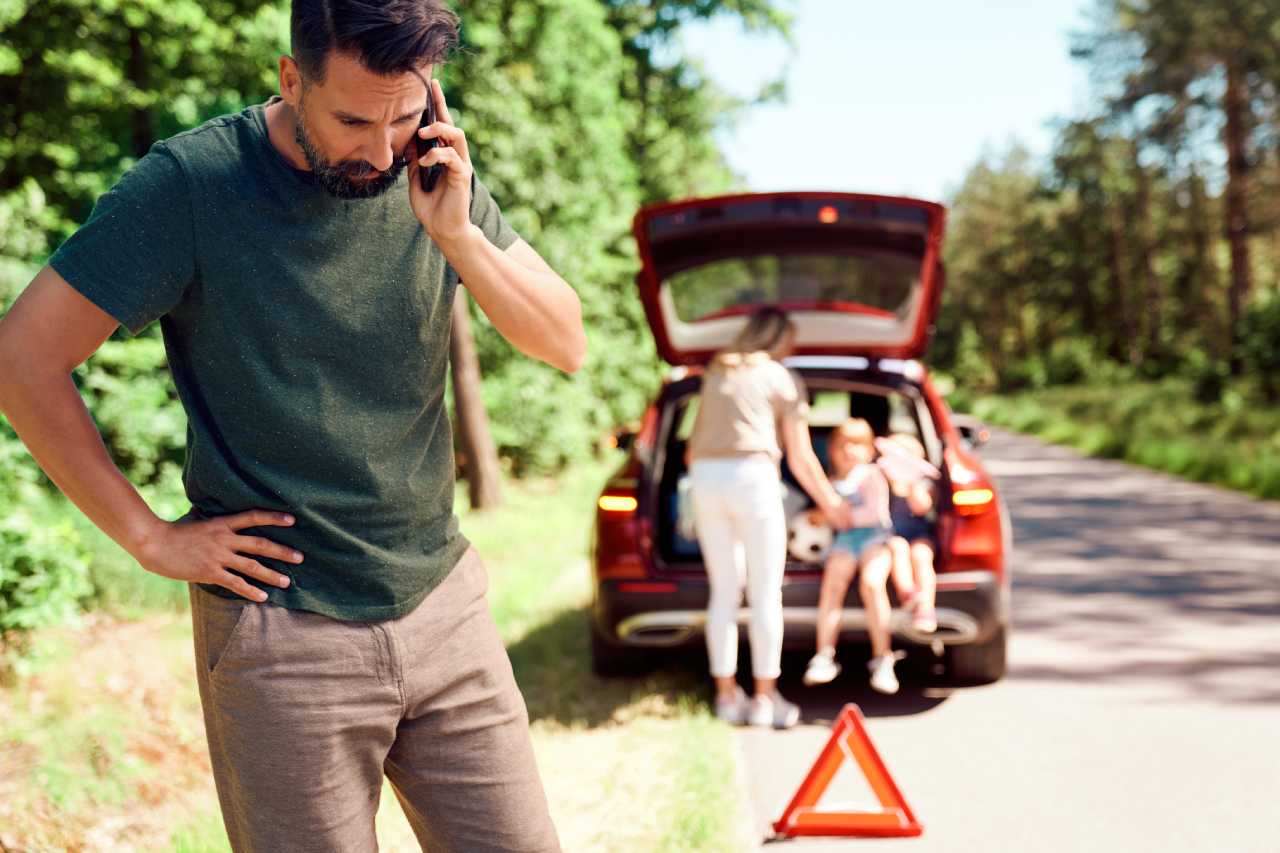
<point>1104,371</point>
<point>1069,362</point>
<point>1023,375</point>
<point>127,386</point>
<point>43,563</point>
<point>1260,343</point>
<point>1207,375</point>
<point>970,366</point>
<point>1155,424</point>
<point>1267,476</point>
<point>43,571</point>
<point>541,419</point>
<point>44,574</point>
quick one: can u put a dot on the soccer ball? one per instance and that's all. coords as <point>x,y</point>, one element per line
<point>809,537</point>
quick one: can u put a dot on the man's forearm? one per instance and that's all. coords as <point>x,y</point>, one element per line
<point>49,416</point>
<point>536,311</point>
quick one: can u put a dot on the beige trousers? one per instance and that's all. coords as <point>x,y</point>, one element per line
<point>305,714</point>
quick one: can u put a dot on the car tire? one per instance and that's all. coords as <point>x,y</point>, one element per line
<point>978,663</point>
<point>610,660</point>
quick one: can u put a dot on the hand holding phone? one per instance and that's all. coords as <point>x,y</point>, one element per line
<point>443,210</point>
<point>427,177</point>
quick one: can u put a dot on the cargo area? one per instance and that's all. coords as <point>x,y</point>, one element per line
<point>887,409</point>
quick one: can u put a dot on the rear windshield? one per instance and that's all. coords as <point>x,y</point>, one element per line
<point>884,281</point>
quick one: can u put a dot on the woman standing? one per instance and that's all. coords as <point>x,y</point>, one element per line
<point>751,408</point>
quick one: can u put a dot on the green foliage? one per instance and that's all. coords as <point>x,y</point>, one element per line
<point>86,86</point>
<point>127,387</point>
<point>1022,374</point>
<point>1151,227</point>
<point>1260,343</point>
<point>1234,443</point>
<point>1069,362</point>
<point>670,138</point>
<point>1208,376</point>
<point>573,125</point>
<point>43,567</point>
<point>26,219</point>
<point>43,573</point>
<point>576,110</point>
<point>540,105</point>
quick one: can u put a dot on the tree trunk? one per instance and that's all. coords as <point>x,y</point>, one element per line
<point>143,135</point>
<point>1197,282</point>
<point>1082,278</point>
<point>480,457</point>
<point>1151,291</point>
<point>1126,346</point>
<point>1235,107</point>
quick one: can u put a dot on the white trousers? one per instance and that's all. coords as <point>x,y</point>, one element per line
<point>737,509</point>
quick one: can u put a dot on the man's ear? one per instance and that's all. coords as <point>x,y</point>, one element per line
<point>290,81</point>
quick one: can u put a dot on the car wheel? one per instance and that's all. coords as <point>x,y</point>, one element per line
<point>978,663</point>
<point>610,660</point>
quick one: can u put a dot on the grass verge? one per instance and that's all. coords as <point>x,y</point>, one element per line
<point>1234,443</point>
<point>101,744</point>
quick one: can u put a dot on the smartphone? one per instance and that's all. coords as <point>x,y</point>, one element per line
<point>428,176</point>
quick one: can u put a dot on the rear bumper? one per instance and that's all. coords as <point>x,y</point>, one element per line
<point>971,606</point>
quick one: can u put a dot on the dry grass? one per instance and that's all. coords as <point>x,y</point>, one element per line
<point>102,746</point>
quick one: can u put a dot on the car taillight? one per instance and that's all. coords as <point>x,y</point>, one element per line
<point>619,534</point>
<point>625,504</point>
<point>972,501</point>
<point>973,539</point>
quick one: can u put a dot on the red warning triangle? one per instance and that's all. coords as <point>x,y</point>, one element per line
<point>848,740</point>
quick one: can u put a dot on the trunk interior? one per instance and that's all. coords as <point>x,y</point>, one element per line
<point>888,408</point>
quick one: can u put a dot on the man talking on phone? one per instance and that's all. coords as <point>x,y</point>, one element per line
<point>303,279</point>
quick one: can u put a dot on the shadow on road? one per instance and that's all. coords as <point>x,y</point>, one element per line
<point>922,689</point>
<point>1140,576</point>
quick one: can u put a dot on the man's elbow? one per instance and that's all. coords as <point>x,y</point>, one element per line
<point>574,356</point>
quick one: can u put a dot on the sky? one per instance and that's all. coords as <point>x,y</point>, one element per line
<point>896,98</point>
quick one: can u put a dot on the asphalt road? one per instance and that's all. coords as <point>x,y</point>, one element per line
<point>1141,710</point>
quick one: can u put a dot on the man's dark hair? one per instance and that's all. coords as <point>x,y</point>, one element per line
<point>388,36</point>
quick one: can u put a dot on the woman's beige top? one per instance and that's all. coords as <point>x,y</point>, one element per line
<point>745,399</point>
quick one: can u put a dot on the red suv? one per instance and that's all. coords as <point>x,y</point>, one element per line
<point>861,277</point>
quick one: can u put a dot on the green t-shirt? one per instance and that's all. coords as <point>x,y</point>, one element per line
<point>308,337</point>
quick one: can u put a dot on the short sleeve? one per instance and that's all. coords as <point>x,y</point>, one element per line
<point>792,399</point>
<point>135,255</point>
<point>486,214</point>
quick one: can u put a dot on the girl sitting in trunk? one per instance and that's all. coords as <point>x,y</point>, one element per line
<point>912,545</point>
<point>863,550</point>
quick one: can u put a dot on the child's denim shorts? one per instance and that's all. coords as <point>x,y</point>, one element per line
<point>859,540</point>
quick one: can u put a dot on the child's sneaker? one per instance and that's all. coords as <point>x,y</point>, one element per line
<point>925,620</point>
<point>773,711</point>
<point>733,710</point>
<point>823,669</point>
<point>882,678</point>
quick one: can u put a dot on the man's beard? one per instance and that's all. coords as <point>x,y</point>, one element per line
<point>349,178</point>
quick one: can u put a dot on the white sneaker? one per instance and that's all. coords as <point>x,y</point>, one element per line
<point>882,678</point>
<point>773,711</point>
<point>823,669</point>
<point>734,710</point>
